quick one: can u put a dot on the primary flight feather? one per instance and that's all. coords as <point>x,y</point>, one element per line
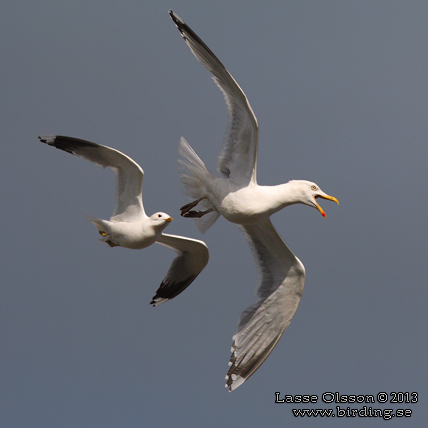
<point>129,226</point>
<point>237,197</point>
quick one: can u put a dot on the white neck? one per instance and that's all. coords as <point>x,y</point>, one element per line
<point>283,195</point>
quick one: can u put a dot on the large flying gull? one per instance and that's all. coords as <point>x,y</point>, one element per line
<point>237,197</point>
<point>129,225</point>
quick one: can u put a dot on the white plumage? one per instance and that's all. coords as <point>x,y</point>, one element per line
<point>236,196</point>
<point>129,226</point>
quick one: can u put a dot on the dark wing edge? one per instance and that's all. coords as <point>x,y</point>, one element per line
<point>129,175</point>
<point>262,324</point>
<point>238,156</point>
<point>192,257</point>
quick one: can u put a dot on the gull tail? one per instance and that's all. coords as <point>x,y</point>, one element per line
<point>194,175</point>
<point>103,229</point>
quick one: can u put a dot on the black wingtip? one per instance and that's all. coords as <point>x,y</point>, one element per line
<point>48,139</point>
<point>177,20</point>
<point>172,15</point>
<point>155,303</point>
<point>168,290</point>
<point>157,300</point>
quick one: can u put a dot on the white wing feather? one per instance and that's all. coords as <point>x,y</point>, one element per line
<point>129,175</point>
<point>262,324</point>
<point>238,157</point>
<point>192,258</point>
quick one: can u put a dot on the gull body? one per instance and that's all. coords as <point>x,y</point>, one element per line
<point>139,233</point>
<point>249,204</point>
<point>129,226</point>
<point>237,197</point>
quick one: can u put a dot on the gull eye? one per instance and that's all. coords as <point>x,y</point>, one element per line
<point>313,187</point>
<point>159,215</point>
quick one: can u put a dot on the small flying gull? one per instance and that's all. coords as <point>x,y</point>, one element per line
<point>237,197</point>
<point>129,225</point>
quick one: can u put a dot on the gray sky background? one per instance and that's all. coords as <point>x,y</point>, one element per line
<point>340,90</point>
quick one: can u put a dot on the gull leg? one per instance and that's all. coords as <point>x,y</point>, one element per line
<point>196,214</point>
<point>107,241</point>
<point>186,210</point>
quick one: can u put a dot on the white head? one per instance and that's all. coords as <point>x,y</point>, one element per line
<point>307,193</point>
<point>160,220</point>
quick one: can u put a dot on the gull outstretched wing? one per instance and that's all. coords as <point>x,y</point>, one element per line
<point>238,157</point>
<point>262,324</point>
<point>191,259</point>
<point>129,175</point>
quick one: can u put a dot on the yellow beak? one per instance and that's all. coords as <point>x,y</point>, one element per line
<point>330,198</point>
<point>169,219</point>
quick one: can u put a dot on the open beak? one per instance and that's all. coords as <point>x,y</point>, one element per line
<point>170,218</point>
<point>330,198</point>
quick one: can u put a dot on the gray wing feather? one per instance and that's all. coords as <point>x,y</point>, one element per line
<point>238,157</point>
<point>129,175</point>
<point>191,259</point>
<point>262,324</point>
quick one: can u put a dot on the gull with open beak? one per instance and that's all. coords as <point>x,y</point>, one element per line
<point>236,196</point>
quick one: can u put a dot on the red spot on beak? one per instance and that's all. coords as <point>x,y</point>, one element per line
<point>323,214</point>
